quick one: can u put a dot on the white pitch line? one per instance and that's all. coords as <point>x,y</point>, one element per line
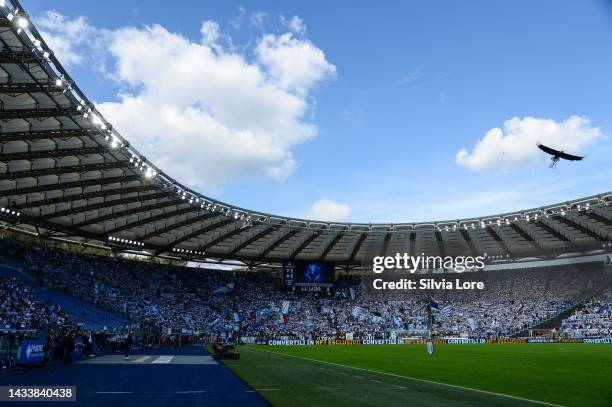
<point>191,391</point>
<point>492,393</point>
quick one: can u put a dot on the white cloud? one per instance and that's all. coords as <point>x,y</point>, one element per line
<point>239,19</point>
<point>63,35</point>
<point>327,210</point>
<point>515,144</point>
<point>210,32</point>
<point>295,24</point>
<point>257,20</point>
<point>293,63</point>
<point>204,113</point>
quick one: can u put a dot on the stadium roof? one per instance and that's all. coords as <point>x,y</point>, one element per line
<point>66,172</point>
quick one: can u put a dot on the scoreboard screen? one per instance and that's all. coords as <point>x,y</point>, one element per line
<point>308,275</point>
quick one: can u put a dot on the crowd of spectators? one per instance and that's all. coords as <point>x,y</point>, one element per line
<point>20,310</point>
<point>172,299</point>
<point>594,319</point>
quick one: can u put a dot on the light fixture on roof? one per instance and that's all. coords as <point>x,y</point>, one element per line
<point>58,82</point>
<point>22,22</point>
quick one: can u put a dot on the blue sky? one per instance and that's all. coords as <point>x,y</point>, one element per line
<point>392,95</point>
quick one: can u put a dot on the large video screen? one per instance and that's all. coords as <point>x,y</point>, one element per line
<point>308,276</point>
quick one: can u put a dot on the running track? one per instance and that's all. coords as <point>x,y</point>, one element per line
<point>152,377</point>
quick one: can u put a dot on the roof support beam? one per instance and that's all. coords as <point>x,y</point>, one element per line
<point>69,185</point>
<point>79,197</point>
<point>469,242</point>
<point>37,155</point>
<point>572,224</point>
<point>385,244</point>
<point>46,134</point>
<point>493,233</point>
<point>553,232</point>
<point>106,204</point>
<point>413,243</point>
<point>14,57</point>
<point>198,232</point>
<point>68,169</point>
<point>282,239</point>
<point>253,239</point>
<point>151,219</point>
<point>595,216</point>
<point>357,246</point>
<point>304,244</point>
<point>441,247</point>
<point>127,212</point>
<point>29,88</point>
<point>526,236</point>
<point>220,239</point>
<point>37,113</point>
<point>331,245</point>
<point>176,225</point>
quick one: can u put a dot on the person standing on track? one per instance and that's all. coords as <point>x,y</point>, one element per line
<point>68,347</point>
<point>49,349</point>
<point>128,345</point>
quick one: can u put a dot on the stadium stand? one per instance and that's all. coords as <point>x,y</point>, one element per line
<point>179,299</point>
<point>594,319</point>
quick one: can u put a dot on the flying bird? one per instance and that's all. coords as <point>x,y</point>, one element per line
<point>557,155</point>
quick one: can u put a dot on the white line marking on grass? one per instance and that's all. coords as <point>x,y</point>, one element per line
<point>190,391</point>
<point>492,393</point>
<point>375,381</point>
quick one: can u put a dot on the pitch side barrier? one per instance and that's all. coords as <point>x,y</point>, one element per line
<point>439,341</point>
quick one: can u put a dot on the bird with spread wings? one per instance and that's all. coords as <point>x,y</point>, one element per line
<point>557,155</point>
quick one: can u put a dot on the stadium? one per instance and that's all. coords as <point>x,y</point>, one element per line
<point>121,284</point>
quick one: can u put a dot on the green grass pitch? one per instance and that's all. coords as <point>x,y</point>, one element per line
<point>405,375</point>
